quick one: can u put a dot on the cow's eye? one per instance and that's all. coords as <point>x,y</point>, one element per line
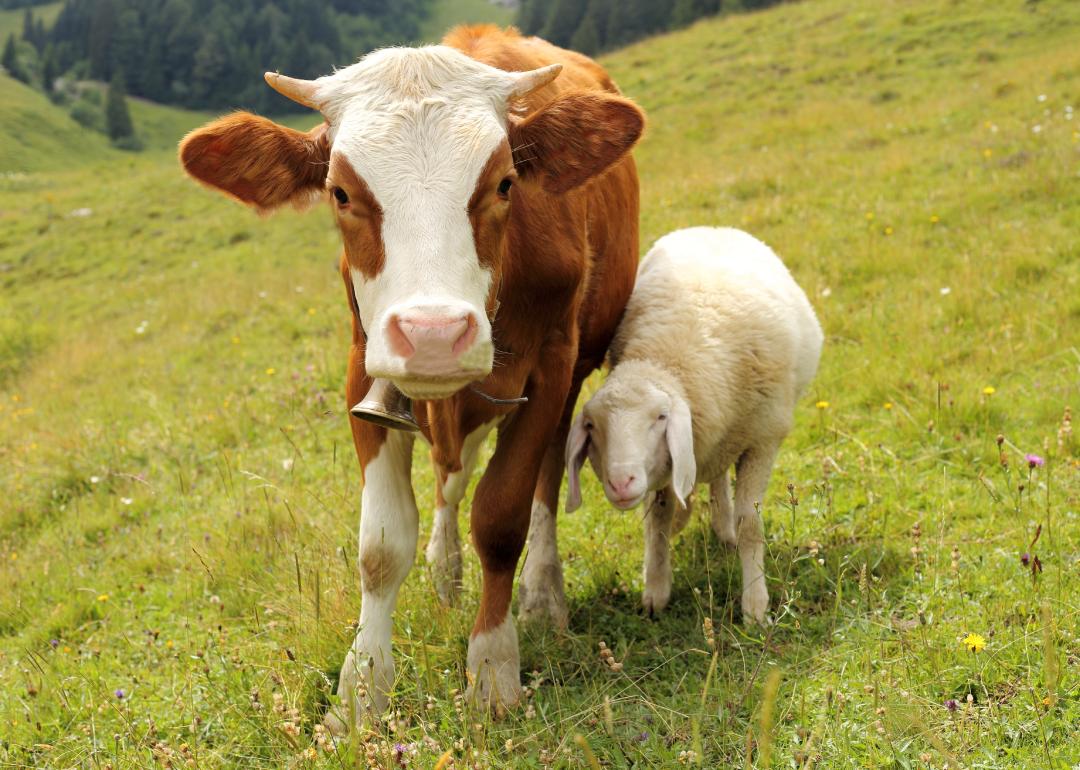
<point>504,187</point>
<point>588,425</point>
<point>341,196</point>
<point>661,417</point>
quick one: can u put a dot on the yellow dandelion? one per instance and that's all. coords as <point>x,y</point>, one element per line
<point>103,597</point>
<point>236,340</point>
<point>869,216</point>
<point>15,397</point>
<point>14,556</point>
<point>822,404</point>
<point>887,406</point>
<point>974,642</point>
<point>988,153</point>
<point>169,644</point>
<point>270,370</point>
<point>888,230</point>
<point>934,219</point>
<point>311,311</point>
<point>989,390</point>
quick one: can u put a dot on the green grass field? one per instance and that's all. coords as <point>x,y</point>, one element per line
<point>180,494</point>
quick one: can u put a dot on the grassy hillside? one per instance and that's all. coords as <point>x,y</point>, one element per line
<point>11,22</point>
<point>447,13</point>
<point>178,524</point>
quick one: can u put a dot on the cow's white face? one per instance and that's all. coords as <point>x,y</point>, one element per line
<point>416,158</point>
<point>412,132</point>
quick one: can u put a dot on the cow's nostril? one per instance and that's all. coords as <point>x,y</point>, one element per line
<point>399,339</point>
<point>467,335</point>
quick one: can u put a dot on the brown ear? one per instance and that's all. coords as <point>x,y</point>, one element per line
<point>574,138</point>
<point>257,161</point>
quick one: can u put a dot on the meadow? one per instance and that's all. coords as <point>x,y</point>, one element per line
<point>178,577</point>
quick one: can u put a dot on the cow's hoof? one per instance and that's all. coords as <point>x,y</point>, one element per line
<point>540,595</point>
<point>495,668</point>
<point>443,555</point>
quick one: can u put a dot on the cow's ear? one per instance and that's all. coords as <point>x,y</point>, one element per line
<point>257,161</point>
<point>574,138</point>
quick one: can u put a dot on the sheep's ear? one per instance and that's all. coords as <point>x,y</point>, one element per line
<point>680,441</point>
<point>576,445</point>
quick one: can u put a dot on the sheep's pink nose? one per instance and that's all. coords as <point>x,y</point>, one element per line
<point>622,486</point>
<point>431,341</point>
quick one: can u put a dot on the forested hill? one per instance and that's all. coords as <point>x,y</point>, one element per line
<point>202,53</point>
<point>593,26</point>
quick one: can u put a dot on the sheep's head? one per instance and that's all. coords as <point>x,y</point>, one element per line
<point>638,438</point>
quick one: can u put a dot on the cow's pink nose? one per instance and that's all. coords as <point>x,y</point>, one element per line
<point>431,343</point>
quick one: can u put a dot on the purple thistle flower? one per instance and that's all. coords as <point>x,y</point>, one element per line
<point>1034,461</point>
<point>399,748</point>
<point>951,704</point>
<point>54,643</point>
<point>642,737</point>
<point>1025,558</point>
<point>119,694</point>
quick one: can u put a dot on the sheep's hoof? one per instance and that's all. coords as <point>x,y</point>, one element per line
<point>755,606</point>
<point>653,601</point>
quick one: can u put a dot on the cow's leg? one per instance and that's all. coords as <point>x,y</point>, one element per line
<point>540,589</point>
<point>722,514</point>
<point>751,480</point>
<point>444,548</point>
<point>388,533</point>
<point>500,521</point>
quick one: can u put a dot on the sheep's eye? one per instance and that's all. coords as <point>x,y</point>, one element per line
<point>504,187</point>
<point>341,196</point>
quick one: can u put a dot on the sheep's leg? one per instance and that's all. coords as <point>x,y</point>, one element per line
<point>722,514</point>
<point>752,479</point>
<point>659,512</point>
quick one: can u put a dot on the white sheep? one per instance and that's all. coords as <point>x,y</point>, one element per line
<point>717,344</point>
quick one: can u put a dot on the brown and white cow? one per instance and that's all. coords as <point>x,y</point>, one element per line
<point>489,212</point>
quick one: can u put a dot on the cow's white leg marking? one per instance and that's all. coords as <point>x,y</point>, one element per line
<point>444,548</point>
<point>751,481</point>
<point>495,666</point>
<point>659,512</point>
<point>722,514</point>
<point>388,533</point>
<point>540,589</point>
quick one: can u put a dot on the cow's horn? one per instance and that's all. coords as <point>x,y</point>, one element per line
<point>527,82</point>
<point>300,91</point>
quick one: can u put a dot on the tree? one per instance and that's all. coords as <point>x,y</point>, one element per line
<point>117,118</point>
<point>563,21</point>
<point>10,60</point>
<point>48,70</point>
<point>587,38</point>
<point>100,40</point>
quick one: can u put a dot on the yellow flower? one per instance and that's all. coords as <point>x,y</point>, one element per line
<point>974,642</point>
<point>822,404</point>
<point>271,370</point>
<point>169,644</point>
<point>103,597</point>
<point>988,153</point>
<point>236,340</point>
<point>887,405</point>
<point>869,216</point>
<point>311,311</point>
<point>888,229</point>
<point>989,390</point>
<point>934,219</point>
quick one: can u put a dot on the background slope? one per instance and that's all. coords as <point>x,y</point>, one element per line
<point>178,524</point>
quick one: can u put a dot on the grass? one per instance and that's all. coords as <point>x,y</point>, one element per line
<point>448,13</point>
<point>180,492</point>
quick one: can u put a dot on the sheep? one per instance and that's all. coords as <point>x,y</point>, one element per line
<point>717,344</point>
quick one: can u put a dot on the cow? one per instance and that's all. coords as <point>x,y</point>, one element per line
<point>488,207</point>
